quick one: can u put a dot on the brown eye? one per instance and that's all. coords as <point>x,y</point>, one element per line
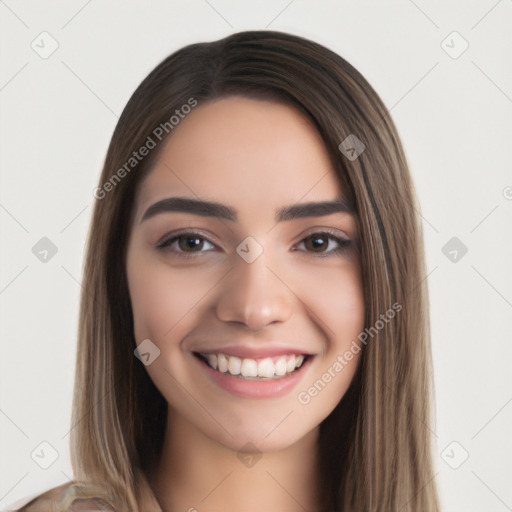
<point>187,242</point>
<point>319,243</point>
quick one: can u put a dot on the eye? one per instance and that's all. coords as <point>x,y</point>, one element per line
<point>189,243</point>
<point>320,241</point>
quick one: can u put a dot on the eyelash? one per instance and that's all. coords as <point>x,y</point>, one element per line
<point>168,240</point>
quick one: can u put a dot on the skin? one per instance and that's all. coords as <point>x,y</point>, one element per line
<point>255,156</point>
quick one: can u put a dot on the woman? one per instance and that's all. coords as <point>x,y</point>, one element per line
<point>254,329</point>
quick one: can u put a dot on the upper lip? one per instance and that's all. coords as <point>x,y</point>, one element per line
<point>253,352</point>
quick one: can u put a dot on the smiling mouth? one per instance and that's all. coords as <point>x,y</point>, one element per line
<point>267,368</point>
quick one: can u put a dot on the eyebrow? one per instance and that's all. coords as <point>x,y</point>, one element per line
<point>222,211</point>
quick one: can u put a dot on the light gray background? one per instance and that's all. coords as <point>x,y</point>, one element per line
<point>454,116</point>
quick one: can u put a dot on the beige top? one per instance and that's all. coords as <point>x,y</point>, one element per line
<point>70,497</point>
<point>58,499</point>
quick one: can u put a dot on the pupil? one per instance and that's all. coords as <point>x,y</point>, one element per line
<point>190,242</point>
<point>315,241</point>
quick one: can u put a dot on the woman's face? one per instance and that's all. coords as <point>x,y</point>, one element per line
<point>253,302</point>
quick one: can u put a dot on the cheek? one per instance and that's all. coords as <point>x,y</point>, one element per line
<point>162,299</point>
<point>337,305</point>
<point>336,300</point>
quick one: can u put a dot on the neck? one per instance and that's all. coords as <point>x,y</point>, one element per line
<point>196,473</point>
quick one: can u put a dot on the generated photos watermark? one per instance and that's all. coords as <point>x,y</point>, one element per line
<point>157,135</point>
<point>304,397</point>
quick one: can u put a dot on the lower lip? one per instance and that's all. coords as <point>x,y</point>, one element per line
<point>273,388</point>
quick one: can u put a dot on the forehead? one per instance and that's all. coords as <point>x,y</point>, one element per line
<point>243,151</point>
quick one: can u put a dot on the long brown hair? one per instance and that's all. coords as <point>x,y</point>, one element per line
<point>375,446</point>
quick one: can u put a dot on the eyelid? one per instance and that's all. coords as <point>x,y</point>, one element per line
<point>338,233</point>
<point>184,231</point>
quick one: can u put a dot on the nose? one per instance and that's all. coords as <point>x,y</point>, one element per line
<point>254,295</point>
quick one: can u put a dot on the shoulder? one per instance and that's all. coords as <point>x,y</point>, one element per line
<point>42,502</point>
<point>67,497</point>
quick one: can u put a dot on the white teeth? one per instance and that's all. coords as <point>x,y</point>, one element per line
<point>250,368</point>
<point>280,366</point>
<point>222,361</point>
<point>234,365</point>
<point>212,359</point>
<point>266,368</point>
